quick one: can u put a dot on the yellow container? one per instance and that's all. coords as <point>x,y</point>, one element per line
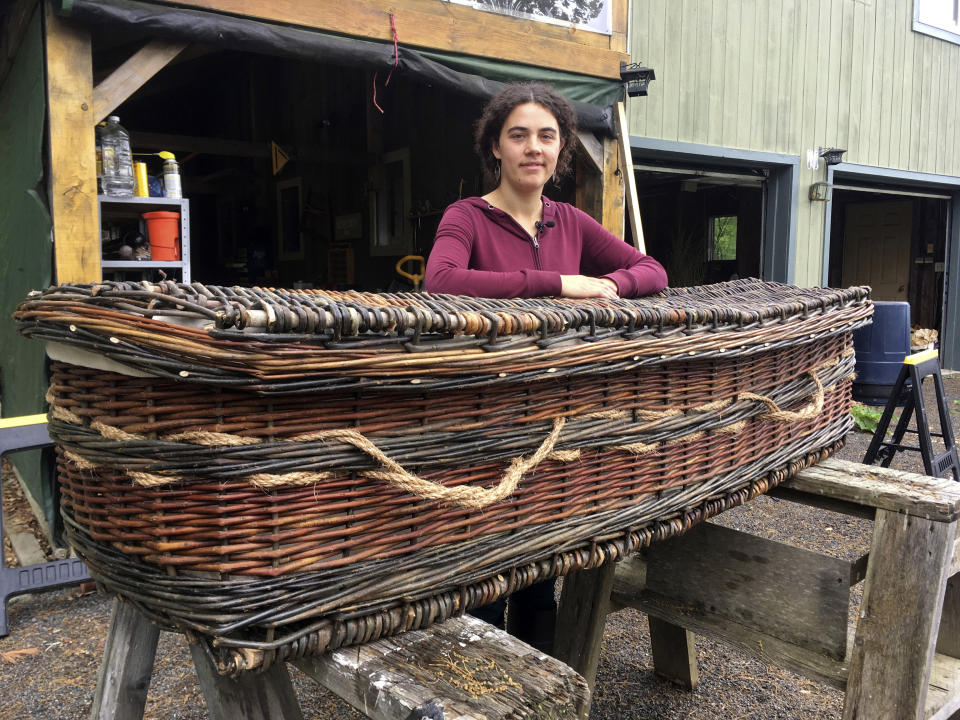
<point>140,174</point>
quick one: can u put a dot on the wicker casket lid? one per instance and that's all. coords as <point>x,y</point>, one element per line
<point>287,472</point>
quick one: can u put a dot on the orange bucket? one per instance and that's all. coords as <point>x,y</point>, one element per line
<point>163,230</point>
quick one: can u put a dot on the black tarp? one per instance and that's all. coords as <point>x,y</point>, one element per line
<point>229,32</point>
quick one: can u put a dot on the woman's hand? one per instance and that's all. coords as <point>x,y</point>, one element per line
<point>583,286</point>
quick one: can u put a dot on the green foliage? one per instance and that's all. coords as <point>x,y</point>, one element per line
<point>866,418</point>
<point>725,238</point>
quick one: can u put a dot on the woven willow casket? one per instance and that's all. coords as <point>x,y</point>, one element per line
<point>285,472</point>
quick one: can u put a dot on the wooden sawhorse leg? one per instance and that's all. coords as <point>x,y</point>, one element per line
<point>899,617</point>
<point>581,615</point>
<point>128,664</point>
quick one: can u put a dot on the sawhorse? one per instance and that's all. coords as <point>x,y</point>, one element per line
<point>789,606</point>
<point>462,668</point>
<point>915,369</point>
<point>29,433</point>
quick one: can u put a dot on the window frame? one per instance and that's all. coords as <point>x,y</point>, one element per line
<point>934,30</point>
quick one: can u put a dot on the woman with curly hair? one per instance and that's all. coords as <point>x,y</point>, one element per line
<point>514,241</point>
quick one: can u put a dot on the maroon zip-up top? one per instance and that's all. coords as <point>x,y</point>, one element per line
<point>482,251</point>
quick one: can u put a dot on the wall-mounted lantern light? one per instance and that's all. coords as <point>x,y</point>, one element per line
<point>832,156</point>
<point>635,78</point>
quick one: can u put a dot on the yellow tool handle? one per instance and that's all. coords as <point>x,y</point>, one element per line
<point>13,422</point>
<point>415,278</point>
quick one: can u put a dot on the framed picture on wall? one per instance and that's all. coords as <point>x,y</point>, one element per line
<point>289,217</point>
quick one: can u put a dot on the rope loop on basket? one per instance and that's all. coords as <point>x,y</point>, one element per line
<point>814,408</point>
<point>390,471</point>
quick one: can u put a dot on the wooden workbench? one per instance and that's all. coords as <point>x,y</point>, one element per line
<point>790,606</point>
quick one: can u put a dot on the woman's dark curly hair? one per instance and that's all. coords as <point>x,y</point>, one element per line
<point>495,113</point>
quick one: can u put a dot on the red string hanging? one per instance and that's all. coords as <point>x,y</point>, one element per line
<point>396,62</point>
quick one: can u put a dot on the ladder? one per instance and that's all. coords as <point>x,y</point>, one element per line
<point>908,390</point>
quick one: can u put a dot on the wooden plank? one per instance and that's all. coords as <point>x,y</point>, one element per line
<point>878,487</point>
<point>205,145</point>
<point>592,149</point>
<point>899,617</point>
<point>630,180</point>
<point>266,695</point>
<point>943,693</point>
<point>796,595</point>
<point>469,668</point>
<point>72,151</point>
<point>25,545</point>
<point>580,619</point>
<point>127,665</point>
<point>619,24</point>
<point>674,651</point>
<point>612,180</point>
<point>132,75</point>
<point>443,26</point>
<point>770,649</point>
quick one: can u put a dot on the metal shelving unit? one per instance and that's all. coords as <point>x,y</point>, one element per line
<point>131,208</point>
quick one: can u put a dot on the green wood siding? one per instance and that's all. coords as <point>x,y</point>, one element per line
<point>25,244</point>
<point>786,76</point>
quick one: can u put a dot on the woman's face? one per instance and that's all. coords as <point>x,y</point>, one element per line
<point>528,147</point>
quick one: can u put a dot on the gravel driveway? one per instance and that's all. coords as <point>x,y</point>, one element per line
<point>63,634</point>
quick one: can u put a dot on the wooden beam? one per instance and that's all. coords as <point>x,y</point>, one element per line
<point>592,149</point>
<point>877,487</point>
<point>612,202</point>
<point>72,151</point>
<point>758,644</point>
<point>462,668</point>
<point>444,26</point>
<point>799,596</point>
<point>630,180</point>
<point>132,75</point>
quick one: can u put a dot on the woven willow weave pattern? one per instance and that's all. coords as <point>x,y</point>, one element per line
<point>286,472</point>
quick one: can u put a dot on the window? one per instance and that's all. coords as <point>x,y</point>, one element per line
<point>723,238</point>
<point>940,18</point>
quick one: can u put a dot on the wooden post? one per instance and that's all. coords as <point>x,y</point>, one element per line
<point>266,695</point>
<point>584,603</point>
<point>127,665</point>
<point>899,617</point>
<point>674,651</point>
<point>600,194</point>
<point>73,171</point>
<point>629,179</point>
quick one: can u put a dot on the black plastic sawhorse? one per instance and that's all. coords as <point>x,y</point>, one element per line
<point>30,433</point>
<point>915,369</point>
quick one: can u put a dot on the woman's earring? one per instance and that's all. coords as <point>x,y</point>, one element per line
<point>496,171</point>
